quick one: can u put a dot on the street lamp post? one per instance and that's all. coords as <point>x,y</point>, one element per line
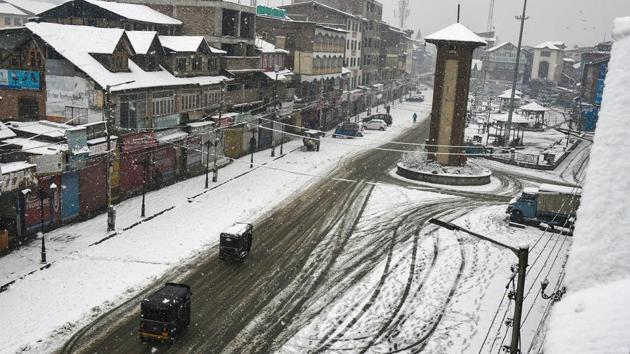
<point>145,164</point>
<point>276,69</point>
<point>111,213</point>
<point>215,172</point>
<point>252,147</point>
<point>522,252</point>
<point>208,144</point>
<point>282,141</point>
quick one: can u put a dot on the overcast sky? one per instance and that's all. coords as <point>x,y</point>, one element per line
<point>581,22</point>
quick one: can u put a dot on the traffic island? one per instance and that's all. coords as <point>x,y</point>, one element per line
<point>470,174</point>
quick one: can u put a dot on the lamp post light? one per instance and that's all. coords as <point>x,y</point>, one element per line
<point>111,213</point>
<point>522,252</point>
<point>42,195</point>
<point>555,296</point>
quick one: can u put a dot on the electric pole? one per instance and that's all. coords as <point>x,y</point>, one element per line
<point>508,124</point>
<point>111,213</point>
<point>522,252</point>
<point>403,12</point>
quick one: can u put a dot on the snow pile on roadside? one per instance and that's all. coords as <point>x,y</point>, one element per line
<point>594,317</point>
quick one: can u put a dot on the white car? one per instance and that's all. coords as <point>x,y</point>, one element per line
<point>375,124</point>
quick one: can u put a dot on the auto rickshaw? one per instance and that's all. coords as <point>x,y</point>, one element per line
<point>236,242</point>
<point>312,139</point>
<point>166,313</point>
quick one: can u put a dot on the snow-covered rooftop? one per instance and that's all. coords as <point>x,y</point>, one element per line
<point>499,46</point>
<point>508,95</point>
<point>182,43</point>
<point>141,40</point>
<point>503,117</point>
<point>455,33</point>
<point>187,44</point>
<point>5,132</point>
<point>553,45</point>
<point>283,75</point>
<point>37,147</point>
<point>77,43</point>
<point>41,128</point>
<point>135,12</point>
<point>330,8</point>
<point>593,316</point>
<point>8,9</point>
<point>31,6</point>
<point>533,107</point>
<point>14,166</point>
<point>268,48</point>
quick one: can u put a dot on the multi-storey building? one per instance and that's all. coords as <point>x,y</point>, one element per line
<point>499,63</point>
<point>22,76</point>
<point>317,58</point>
<point>11,16</point>
<point>93,72</point>
<point>372,11</point>
<point>315,11</point>
<point>548,61</point>
<point>227,25</point>
<point>98,13</point>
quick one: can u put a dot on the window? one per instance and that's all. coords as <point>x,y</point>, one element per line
<point>190,102</point>
<point>7,21</point>
<point>545,53</point>
<point>212,98</point>
<point>181,64</point>
<point>163,103</point>
<point>212,64</point>
<point>132,110</point>
<point>196,63</point>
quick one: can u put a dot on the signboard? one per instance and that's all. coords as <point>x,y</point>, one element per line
<point>167,121</point>
<point>19,79</point>
<point>262,10</point>
<point>135,142</point>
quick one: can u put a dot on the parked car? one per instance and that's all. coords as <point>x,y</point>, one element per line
<point>166,313</point>
<point>383,116</point>
<point>235,243</point>
<point>348,130</point>
<point>375,124</point>
<point>415,98</point>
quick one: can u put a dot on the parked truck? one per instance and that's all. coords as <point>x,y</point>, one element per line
<point>550,204</point>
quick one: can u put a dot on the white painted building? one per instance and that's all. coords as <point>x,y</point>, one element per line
<point>548,61</point>
<point>353,51</point>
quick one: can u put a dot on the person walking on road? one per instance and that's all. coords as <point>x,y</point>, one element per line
<point>415,117</point>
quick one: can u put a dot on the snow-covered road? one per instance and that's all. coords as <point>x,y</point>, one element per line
<point>361,270</point>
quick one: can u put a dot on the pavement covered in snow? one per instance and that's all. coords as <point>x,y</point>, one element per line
<point>593,317</point>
